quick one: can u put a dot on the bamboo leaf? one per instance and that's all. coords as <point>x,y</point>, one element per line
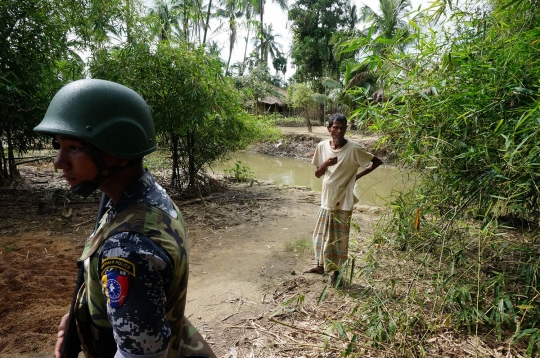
<point>413,24</point>
<point>350,346</point>
<point>321,296</point>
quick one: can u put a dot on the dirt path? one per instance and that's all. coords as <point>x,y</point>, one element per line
<point>234,267</point>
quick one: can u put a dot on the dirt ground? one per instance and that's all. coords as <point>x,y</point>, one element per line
<point>248,248</point>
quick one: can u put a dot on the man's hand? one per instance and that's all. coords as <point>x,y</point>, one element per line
<point>331,161</point>
<point>322,169</point>
<point>60,337</point>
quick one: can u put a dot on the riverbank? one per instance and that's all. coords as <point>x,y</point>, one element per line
<point>298,143</point>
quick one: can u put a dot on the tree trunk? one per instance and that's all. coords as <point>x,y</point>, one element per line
<point>3,165</point>
<point>191,158</point>
<point>232,39</point>
<point>262,32</point>
<point>11,157</point>
<point>128,23</point>
<point>207,21</point>
<point>308,122</point>
<point>245,52</point>
<point>185,23</point>
<point>175,178</point>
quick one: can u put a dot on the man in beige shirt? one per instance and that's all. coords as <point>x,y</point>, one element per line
<point>337,161</point>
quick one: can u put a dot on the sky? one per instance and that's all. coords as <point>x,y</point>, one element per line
<point>281,26</point>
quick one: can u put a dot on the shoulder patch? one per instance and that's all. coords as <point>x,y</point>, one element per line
<point>116,288</point>
<point>118,263</point>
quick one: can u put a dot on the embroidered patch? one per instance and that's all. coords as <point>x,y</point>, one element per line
<point>116,288</point>
<point>118,263</point>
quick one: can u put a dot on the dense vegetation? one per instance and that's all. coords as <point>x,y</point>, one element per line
<point>453,90</point>
<point>159,52</point>
<point>29,74</point>
<point>460,106</point>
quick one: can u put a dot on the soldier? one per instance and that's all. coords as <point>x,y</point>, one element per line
<point>135,264</point>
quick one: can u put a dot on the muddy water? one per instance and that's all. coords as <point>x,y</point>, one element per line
<point>373,189</point>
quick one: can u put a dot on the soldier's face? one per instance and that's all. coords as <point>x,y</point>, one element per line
<point>75,162</point>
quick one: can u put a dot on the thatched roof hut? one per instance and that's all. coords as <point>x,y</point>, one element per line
<point>274,103</point>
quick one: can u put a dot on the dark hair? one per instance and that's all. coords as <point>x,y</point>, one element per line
<point>338,117</point>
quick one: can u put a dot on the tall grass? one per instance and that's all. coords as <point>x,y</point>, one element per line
<point>459,251</point>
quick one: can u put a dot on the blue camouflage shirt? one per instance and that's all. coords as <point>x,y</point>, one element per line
<point>138,317</point>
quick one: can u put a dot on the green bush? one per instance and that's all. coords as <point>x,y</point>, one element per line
<point>239,172</point>
<point>261,128</point>
<point>461,246</point>
<point>291,122</point>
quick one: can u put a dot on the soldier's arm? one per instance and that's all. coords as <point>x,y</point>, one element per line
<point>136,293</point>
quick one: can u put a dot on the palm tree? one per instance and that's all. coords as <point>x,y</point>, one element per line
<point>177,18</point>
<point>259,7</point>
<point>200,20</point>
<point>267,44</point>
<point>231,10</point>
<point>280,65</point>
<point>249,24</point>
<point>207,22</point>
<point>339,96</point>
<point>189,11</point>
<point>390,24</point>
<point>352,17</point>
<point>164,12</point>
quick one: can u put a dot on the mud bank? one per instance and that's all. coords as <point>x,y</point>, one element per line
<point>298,143</point>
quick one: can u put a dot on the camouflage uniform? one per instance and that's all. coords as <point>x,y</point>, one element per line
<point>136,275</point>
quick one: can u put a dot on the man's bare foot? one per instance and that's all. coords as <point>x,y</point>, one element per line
<point>316,269</point>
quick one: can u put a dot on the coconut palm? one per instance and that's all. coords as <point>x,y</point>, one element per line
<point>342,96</point>
<point>231,10</point>
<point>192,19</point>
<point>280,65</point>
<point>206,25</point>
<point>259,7</point>
<point>177,18</point>
<point>201,21</point>
<point>391,23</point>
<point>164,12</point>
<point>249,24</point>
<point>267,44</point>
<point>352,17</point>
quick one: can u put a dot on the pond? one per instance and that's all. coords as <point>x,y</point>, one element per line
<point>373,189</point>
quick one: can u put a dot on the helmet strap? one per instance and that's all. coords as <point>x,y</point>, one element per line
<point>88,187</point>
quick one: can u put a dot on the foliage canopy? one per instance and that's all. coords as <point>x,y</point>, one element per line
<point>197,110</point>
<point>314,23</point>
<point>30,71</point>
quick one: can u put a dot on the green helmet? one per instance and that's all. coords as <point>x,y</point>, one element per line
<point>109,116</point>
